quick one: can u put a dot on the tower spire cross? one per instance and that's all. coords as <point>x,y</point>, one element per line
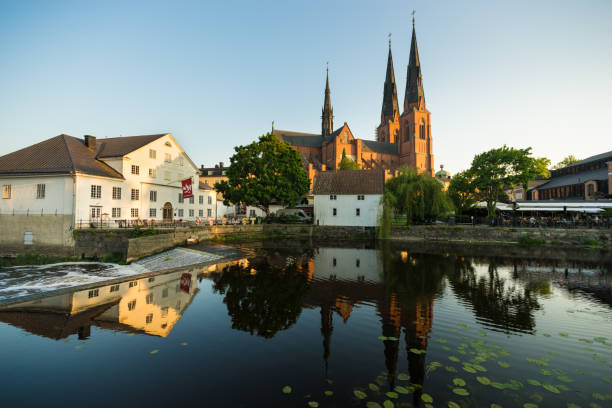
<point>413,13</point>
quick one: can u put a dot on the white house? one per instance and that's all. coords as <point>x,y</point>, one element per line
<point>348,197</point>
<point>52,186</point>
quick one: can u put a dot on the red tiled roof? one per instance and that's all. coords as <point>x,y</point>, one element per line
<point>349,182</point>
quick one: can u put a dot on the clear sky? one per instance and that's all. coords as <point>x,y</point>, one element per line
<point>216,74</point>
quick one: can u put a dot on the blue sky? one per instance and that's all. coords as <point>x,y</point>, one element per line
<point>215,74</point>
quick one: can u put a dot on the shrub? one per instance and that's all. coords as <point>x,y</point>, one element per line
<point>527,241</point>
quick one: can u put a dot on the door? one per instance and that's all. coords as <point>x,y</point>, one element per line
<point>167,212</point>
<point>94,213</point>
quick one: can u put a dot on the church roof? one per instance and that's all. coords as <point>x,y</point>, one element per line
<point>414,81</point>
<point>61,154</point>
<point>390,105</point>
<point>379,147</point>
<point>349,182</point>
<point>300,138</point>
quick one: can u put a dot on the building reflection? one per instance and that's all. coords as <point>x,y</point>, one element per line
<point>151,305</point>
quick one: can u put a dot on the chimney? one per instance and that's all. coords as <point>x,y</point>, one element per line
<point>90,142</point>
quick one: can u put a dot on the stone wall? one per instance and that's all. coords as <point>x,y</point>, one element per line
<point>50,233</point>
<point>319,232</point>
<point>487,235</point>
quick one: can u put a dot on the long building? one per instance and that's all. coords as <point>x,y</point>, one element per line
<point>401,140</point>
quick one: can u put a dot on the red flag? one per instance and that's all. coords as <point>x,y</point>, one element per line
<point>187,188</point>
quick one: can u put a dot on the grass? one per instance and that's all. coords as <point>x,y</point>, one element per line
<point>529,242</point>
<point>591,242</point>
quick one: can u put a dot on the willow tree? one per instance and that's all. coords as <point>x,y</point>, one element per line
<point>417,196</point>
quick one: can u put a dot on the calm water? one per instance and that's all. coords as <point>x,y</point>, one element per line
<point>340,326</point>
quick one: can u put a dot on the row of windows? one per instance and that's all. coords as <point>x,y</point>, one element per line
<point>357,262</point>
<point>357,212</point>
<point>116,212</point>
<point>96,192</point>
<point>335,197</point>
<point>7,191</point>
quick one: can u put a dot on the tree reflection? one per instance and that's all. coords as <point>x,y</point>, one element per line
<point>262,299</point>
<point>495,298</point>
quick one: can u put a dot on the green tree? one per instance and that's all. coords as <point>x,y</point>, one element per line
<point>504,166</point>
<point>461,192</point>
<point>346,163</point>
<point>418,196</point>
<point>265,171</point>
<point>569,160</point>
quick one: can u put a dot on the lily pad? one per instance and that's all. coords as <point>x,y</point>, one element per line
<point>330,382</point>
<point>374,387</point>
<point>498,385</point>
<point>530,405</point>
<point>565,379</point>
<point>446,348</point>
<point>572,405</point>
<point>461,391</point>
<point>442,341</point>
<point>452,404</point>
<point>469,369</point>
<point>565,335</point>
<point>494,405</point>
<point>460,382</point>
<point>78,347</point>
<point>551,388</point>
<point>382,338</point>
<point>131,334</point>
<point>545,372</point>
<point>392,394</point>
<point>563,387</point>
<point>503,364</point>
<point>451,369</point>
<point>600,339</point>
<point>313,404</point>
<point>286,389</point>
<point>392,338</point>
<point>483,380</point>
<point>454,358</point>
<point>546,335</point>
<point>328,393</point>
<point>534,382</point>
<point>403,377</point>
<point>479,368</point>
<point>360,394</point>
<point>372,404</point>
<point>608,380</point>
<point>154,351</point>
<point>402,390</point>
<point>427,398</point>
<point>388,404</point>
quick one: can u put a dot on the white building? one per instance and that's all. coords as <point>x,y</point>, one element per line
<point>64,182</point>
<point>348,197</point>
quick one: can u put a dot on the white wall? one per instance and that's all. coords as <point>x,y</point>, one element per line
<point>58,195</point>
<point>346,206</point>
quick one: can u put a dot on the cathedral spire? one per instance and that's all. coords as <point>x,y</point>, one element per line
<point>390,106</point>
<point>327,125</point>
<point>415,96</point>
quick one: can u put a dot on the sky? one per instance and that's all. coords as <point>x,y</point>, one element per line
<point>216,74</point>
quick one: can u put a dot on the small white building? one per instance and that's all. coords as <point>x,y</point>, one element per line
<point>348,197</point>
<point>64,182</point>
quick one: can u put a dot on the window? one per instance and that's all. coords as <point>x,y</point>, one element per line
<point>114,288</point>
<point>149,318</point>
<point>96,191</point>
<point>116,193</point>
<point>152,279</point>
<point>334,262</point>
<point>251,213</point>
<point>357,212</point>
<point>153,196</point>
<point>209,212</point>
<point>135,194</point>
<point>132,305</point>
<point>40,191</point>
<point>164,312</point>
<point>591,189</point>
<point>191,199</point>
<point>200,199</point>
<point>334,212</point>
<point>165,292</point>
<point>167,175</point>
<point>149,299</point>
<point>360,197</point>
<point>191,212</point>
<point>135,169</point>
<point>180,212</point>
<point>167,158</point>
<point>93,293</point>
<point>357,263</point>
<point>133,283</point>
<point>116,212</point>
<point>6,191</point>
<point>152,154</point>
<point>332,197</point>
<point>152,212</point>
<point>209,200</point>
<point>95,212</point>
<point>200,213</point>
<point>134,212</point>
<point>180,198</point>
<point>152,173</point>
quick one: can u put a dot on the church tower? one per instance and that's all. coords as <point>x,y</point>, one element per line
<point>416,146</point>
<point>388,130</point>
<point>327,123</point>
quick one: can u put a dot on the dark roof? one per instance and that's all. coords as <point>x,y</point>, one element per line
<point>299,138</point>
<point>592,159</point>
<point>61,154</point>
<point>379,147</point>
<point>120,146</point>
<point>571,179</point>
<point>349,182</point>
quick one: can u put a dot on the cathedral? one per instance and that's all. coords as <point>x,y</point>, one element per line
<point>401,139</point>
